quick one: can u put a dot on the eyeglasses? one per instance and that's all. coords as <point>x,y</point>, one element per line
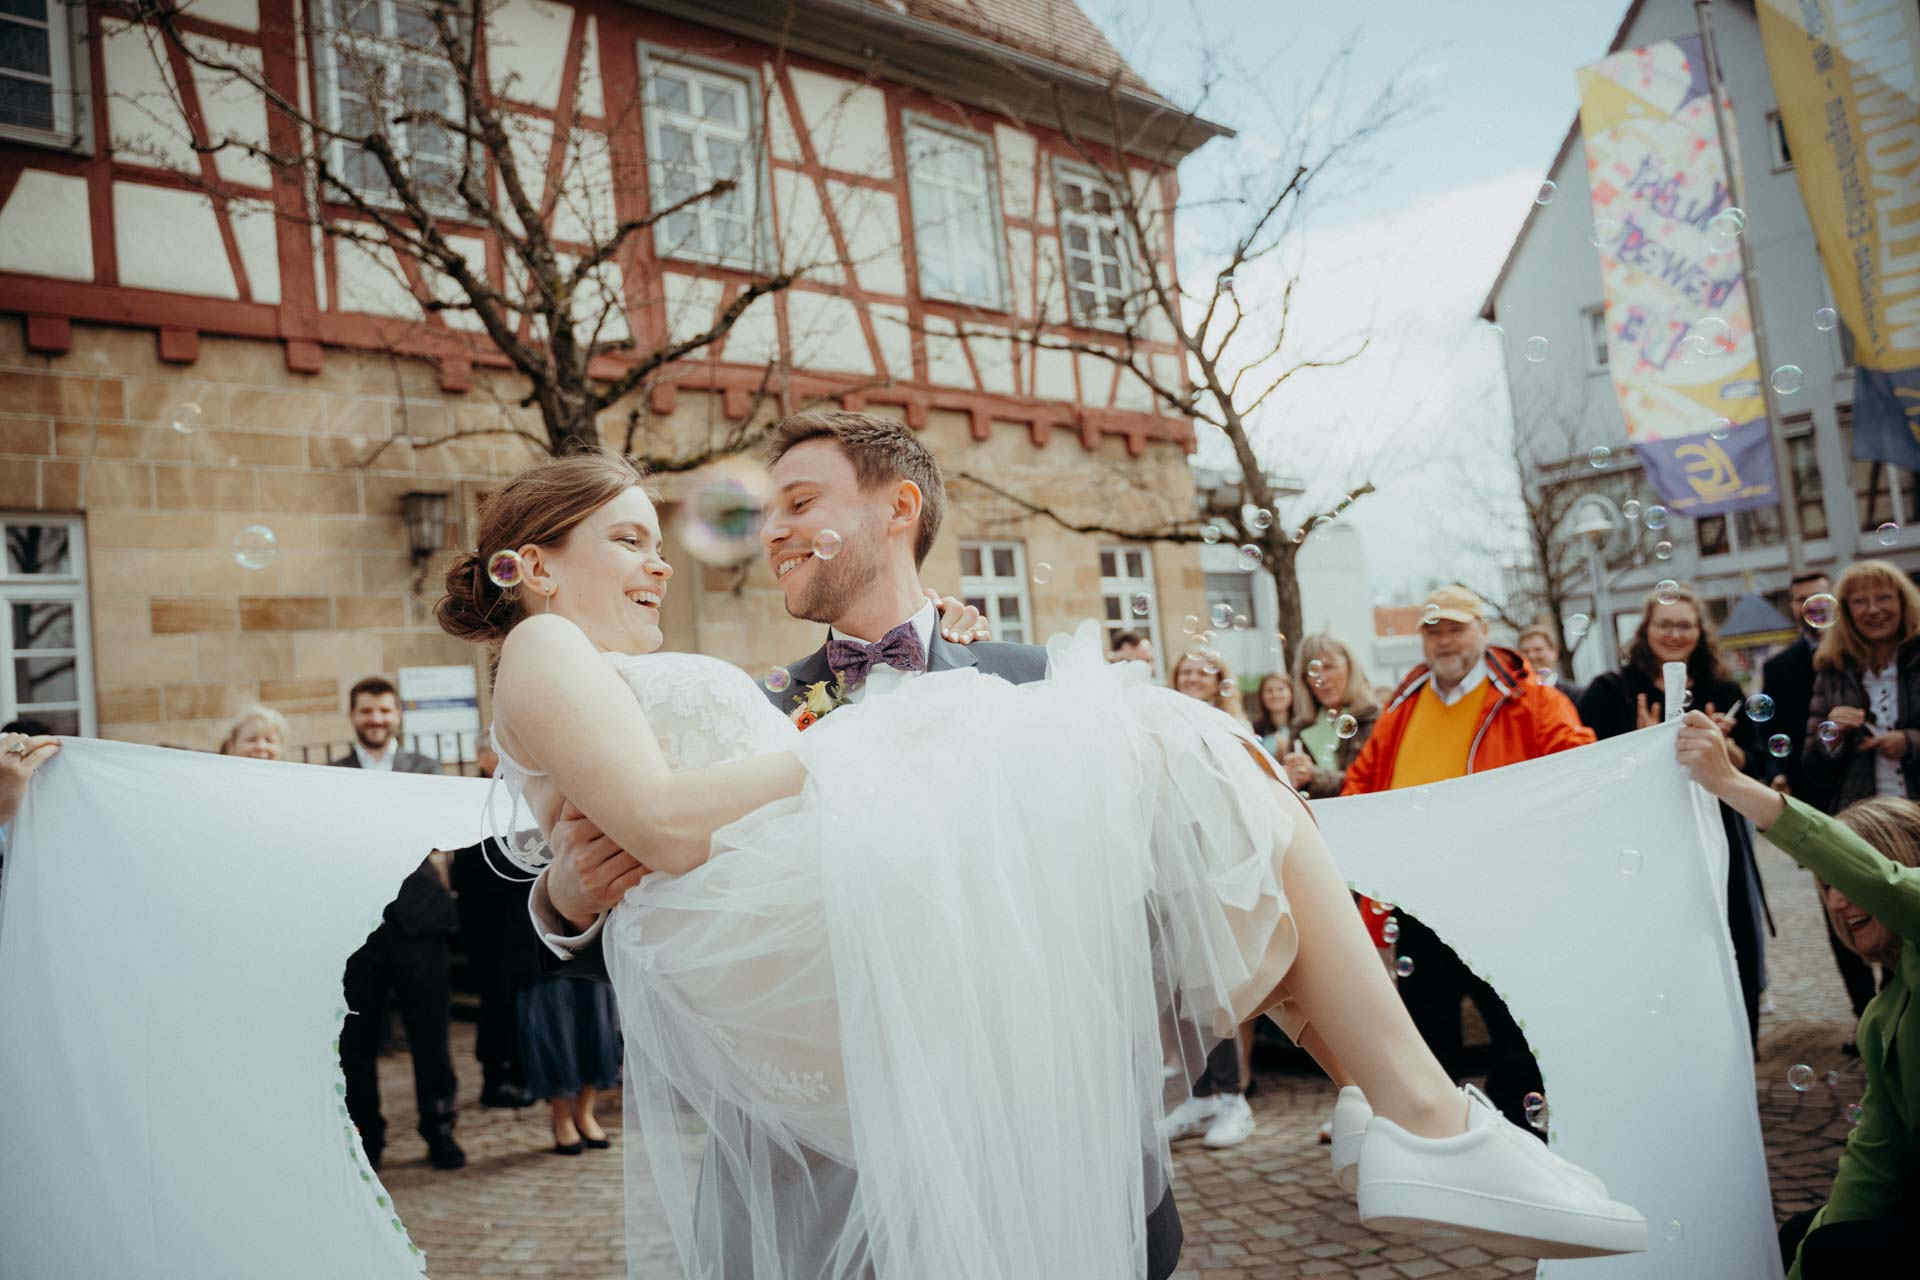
<point>1675,628</point>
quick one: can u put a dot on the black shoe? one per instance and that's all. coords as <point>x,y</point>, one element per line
<point>598,1144</point>
<point>1850,1049</point>
<point>568,1148</point>
<point>444,1153</point>
<point>502,1093</point>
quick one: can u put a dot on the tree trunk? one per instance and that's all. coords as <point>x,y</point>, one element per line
<point>1281,557</point>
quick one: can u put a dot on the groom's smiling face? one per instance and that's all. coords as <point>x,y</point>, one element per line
<point>816,490</point>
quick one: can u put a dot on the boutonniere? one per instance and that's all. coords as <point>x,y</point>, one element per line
<point>817,701</point>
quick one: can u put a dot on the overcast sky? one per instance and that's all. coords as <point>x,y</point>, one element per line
<point>1404,244</point>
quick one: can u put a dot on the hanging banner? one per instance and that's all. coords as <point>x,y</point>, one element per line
<point>1679,331</point>
<point>1845,76</point>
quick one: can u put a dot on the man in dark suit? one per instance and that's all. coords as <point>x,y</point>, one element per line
<point>837,565</point>
<point>404,959</point>
<point>1787,678</point>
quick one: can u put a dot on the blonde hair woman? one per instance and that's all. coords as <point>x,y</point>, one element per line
<point>1866,690</point>
<point>1205,675</point>
<point>1334,685</point>
<point>260,732</point>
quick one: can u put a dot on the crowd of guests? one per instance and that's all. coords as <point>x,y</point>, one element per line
<point>1837,731</point>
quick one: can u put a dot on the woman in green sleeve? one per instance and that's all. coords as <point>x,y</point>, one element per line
<point>1867,862</point>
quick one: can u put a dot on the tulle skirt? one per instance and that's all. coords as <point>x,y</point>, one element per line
<point>921,1021</point>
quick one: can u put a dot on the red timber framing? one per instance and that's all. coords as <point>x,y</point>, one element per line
<point>306,329</point>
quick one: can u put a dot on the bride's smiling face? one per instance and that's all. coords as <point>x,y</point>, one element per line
<point>607,576</point>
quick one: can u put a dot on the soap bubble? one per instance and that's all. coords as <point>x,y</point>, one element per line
<point>1598,456</point>
<point>1536,349</point>
<point>1259,519</point>
<point>1828,733</point>
<point>1314,669</point>
<point>1779,746</point>
<point>1713,329</point>
<point>720,520</point>
<point>1547,191</point>
<point>1826,319</point>
<point>1788,378</point>
<point>1656,517</point>
<point>1345,727</point>
<point>1534,1105</point>
<point>1887,534</point>
<point>1721,428</point>
<point>1222,614</point>
<point>1820,611</point>
<point>1800,1077</point>
<point>1666,591</point>
<point>504,569</point>
<point>1663,550</point>
<point>1657,1004</point>
<point>1404,966</point>
<point>1576,627</point>
<point>1759,708</point>
<point>1241,622</point>
<point>1630,509</point>
<point>1833,1079</point>
<point>778,680</point>
<point>1390,931</point>
<point>1042,573</point>
<point>827,544</point>
<point>1211,532</point>
<point>1631,860</point>
<point>1854,1112</point>
<point>186,418</point>
<point>1298,536</point>
<point>1727,224</point>
<point>1605,232</point>
<point>1250,558</point>
<point>1142,604</point>
<point>1673,1230</point>
<point>255,547</point>
<point>1190,624</point>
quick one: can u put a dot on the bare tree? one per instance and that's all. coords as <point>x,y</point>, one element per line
<point>1223,352</point>
<point>418,147</point>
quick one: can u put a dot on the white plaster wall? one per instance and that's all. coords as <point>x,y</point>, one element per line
<point>805,241</point>
<point>891,329</point>
<point>584,211</point>
<point>826,333</point>
<point>44,228</point>
<point>946,356</point>
<point>599,307</point>
<point>1018,154</point>
<point>1166,369</point>
<point>474,250</point>
<point>1053,374</point>
<point>870,220</point>
<point>371,282</point>
<point>244,14</point>
<point>527,48</point>
<point>234,111</point>
<point>529,143</point>
<point>781,139</point>
<point>143,124</point>
<point>589,97</point>
<point>847,122</point>
<point>254,232</point>
<point>755,336</point>
<point>1096,379</point>
<point>1020,268</point>
<point>993,356</point>
<point>169,240</point>
<point>692,303</point>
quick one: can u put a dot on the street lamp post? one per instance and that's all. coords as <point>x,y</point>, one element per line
<point>1597,521</point>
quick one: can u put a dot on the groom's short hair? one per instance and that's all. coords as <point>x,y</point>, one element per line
<point>881,450</point>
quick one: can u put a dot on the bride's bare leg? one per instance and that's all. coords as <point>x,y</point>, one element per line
<point>1353,1013</point>
<point>1322,1053</point>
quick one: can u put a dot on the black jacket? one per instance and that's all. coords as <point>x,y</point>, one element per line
<point>423,908</point>
<point>1787,678</point>
<point>1842,771</point>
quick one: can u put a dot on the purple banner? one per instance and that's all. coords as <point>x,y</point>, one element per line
<point>1701,475</point>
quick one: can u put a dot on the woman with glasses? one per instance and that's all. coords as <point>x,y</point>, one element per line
<point>1674,628</point>
<point>1866,691</point>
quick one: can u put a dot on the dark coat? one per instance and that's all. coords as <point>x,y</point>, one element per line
<point>1843,772</point>
<point>1787,678</point>
<point>1326,783</point>
<point>423,908</point>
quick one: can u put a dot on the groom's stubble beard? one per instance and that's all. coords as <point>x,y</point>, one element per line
<point>840,582</point>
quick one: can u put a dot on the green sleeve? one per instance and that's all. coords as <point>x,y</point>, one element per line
<point>1868,1184</point>
<point>1870,879</point>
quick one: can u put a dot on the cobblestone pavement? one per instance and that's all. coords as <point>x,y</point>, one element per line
<point>1263,1211</point>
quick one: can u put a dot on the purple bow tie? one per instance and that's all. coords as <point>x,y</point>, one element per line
<point>900,648</point>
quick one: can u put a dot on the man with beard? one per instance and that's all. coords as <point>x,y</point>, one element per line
<point>405,959</point>
<point>1471,707</point>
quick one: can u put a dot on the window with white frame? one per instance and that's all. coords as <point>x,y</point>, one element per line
<point>956,215</point>
<point>46,665</point>
<point>1127,598</point>
<point>700,130</point>
<point>38,98</point>
<point>1094,247</point>
<point>1594,321</point>
<point>385,70</point>
<point>993,579</point>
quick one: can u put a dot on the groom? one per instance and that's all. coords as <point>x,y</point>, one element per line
<point>870,481</point>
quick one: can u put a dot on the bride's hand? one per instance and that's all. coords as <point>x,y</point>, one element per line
<point>590,873</point>
<point>960,623</point>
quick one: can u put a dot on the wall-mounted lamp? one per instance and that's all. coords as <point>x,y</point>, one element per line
<point>426,518</point>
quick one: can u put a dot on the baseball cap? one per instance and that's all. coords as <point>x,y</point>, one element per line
<point>1452,604</point>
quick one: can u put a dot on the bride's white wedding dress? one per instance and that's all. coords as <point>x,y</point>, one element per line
<point>916,1021</point>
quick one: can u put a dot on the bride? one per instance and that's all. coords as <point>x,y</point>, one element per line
<point>902,993</point>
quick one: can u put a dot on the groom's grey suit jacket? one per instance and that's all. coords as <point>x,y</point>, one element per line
<point>1016,664</point>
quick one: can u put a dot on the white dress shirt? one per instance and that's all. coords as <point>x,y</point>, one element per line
<point>1475,677</point>
<point>1883,696</point>
<point>382,762</point>
<point>557,931</point>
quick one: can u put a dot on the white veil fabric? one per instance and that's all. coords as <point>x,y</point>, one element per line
<point>960,964</point>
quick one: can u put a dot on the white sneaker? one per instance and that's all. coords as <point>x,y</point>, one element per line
<point>1494,1184</point>
<point>1191,1117</point>
<point>1234,1124</point>
<point>1348,1127</point>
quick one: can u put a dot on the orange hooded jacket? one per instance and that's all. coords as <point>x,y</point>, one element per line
<point>1523,721</point>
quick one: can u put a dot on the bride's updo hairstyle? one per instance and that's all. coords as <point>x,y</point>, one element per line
<point>541,506</point>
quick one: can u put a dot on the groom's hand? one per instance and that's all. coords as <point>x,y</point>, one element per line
<point>590,873</point>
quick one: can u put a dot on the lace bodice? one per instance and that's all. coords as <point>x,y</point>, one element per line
<point>704,711</point>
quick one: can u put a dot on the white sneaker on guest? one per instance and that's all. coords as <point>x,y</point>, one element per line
<point>1348,1128</point>
<point>1234,1124</point>
<point>1194,1116</point>
<point>1495,1184</point>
